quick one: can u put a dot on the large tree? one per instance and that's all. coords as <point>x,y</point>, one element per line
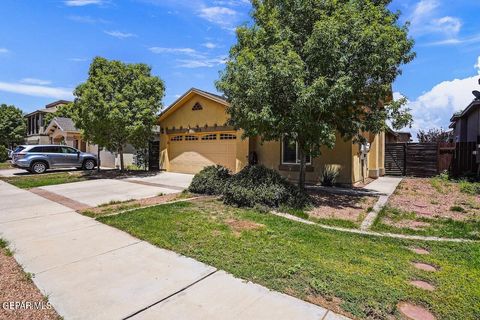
<point>12,125</point>
<point>434,135</point>
<point>118,104</point>
<point>305,70</point>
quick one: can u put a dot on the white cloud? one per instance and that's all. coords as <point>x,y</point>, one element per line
<point>35,81</point>
<point>186,51</point>
<point>4,50</point>
<point>434,108</point>
<point>87,19</point>
<point>77,59</point>
<point>201,63</point>
<point>119,34</point>
<point>210,45</point>
<point>219,15</point>
<point>36,90</point>
<point>81,3</point>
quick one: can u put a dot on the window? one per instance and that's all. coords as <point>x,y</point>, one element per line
<point>191,138</point>
<point>176,138</point>
<point>290,152</point>
<point>51,149</point>
<point>227,136</point>
<point>210,137</point>
<point>68,150</point>
<point>197,106</point>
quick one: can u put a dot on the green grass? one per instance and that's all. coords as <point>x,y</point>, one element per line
<point>368,274</point>
<point>47,179</point>
<point>5,165</point>
<point>439,227</point>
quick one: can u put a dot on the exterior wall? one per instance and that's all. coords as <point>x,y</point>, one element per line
<point>213,114</point>
<point>269,155</point>
<point>472,130</point>
<point>376,156</point>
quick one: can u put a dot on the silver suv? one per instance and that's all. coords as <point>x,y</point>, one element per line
<point>40,158</point>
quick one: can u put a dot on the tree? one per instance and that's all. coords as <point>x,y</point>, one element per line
<point>118,104</point>
<point>63,111</point>
<point>12,125</point>
<point>306,70</point>
<point>434,135</point>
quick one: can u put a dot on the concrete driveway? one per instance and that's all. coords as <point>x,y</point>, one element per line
<point>102,191</point>
<point>92,271</point>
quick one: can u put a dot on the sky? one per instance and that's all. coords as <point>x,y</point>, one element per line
<point>46,47</point>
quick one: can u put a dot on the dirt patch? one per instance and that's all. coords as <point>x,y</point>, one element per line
<point>243,225</point>
<point>422,285</point>
<point>424,267</point>
<point>340,206</point>
<point>15,286</point>
<point>414,312</point>
<point>435,198</point>
<point>331,303</point>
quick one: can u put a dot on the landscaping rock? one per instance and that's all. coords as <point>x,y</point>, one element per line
<point>422,285</point>
<point>420,251</point>
<point>424,267</point>
<point>413,312</point>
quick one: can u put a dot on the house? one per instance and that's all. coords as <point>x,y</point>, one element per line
<point>63,131</point>
<point>466,124</point>
<point>195,134</point>
<point>36,123</point>
<point>397,136</point>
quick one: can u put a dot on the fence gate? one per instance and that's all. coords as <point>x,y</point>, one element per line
<point>395,159</point>
<point>422,159</point>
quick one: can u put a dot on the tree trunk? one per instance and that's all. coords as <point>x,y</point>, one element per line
<point>120,152</point>
<point>98,158</point>
<point>303,162</point>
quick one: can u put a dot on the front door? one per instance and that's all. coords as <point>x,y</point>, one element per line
<point>55,155</point>
<point>71,156</point>
<point>154,156</point>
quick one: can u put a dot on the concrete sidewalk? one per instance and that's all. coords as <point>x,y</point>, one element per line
<point>92,271</point>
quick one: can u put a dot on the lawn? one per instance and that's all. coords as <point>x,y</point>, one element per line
<point>433,207</point>
<point>5,165</point>
<point>360,276</point>
<point>47,179</point>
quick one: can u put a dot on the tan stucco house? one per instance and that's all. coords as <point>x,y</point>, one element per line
<point>195,134</point>
<point>36,123</point>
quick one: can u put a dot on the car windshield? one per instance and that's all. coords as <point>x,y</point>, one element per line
<point>18,149</point>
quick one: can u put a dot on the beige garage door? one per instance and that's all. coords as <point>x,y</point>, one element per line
<point>191,153</point>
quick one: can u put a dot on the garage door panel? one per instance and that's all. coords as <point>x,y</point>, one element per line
<point>193,156</point>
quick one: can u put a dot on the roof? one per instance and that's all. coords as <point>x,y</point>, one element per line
<point>64,124</point>
<point>41,111</point>
<point>209,95</point>
<point>457,115</point>
<point>49,108</point>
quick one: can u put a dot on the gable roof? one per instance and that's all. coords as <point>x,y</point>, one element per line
<point>187,95</point>
<point>64,124</point>
<point>460,114</point>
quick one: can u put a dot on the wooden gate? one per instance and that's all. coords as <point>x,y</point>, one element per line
<point>395,159</point>
<point>412,159</point>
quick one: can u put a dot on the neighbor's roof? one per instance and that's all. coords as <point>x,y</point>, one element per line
<point>64,124</point>
<point>186,95</point>
<point>56,103</point>
<point>49,107</point>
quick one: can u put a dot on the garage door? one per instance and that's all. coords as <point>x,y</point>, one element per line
<point>191,153</point>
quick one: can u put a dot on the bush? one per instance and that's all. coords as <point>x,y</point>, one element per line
<point>259,186</point>
<point>3,153</point>
<point>211,180</point>
<point>329,175</point>
<point>472,188</point>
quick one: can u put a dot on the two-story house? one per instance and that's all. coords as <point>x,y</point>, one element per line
<point>466,124</point>
<point>36,125</point>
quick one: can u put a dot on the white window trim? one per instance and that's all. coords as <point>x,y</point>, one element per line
<point>308,163</point>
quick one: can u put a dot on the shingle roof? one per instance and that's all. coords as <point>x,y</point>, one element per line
<point>66,124</point>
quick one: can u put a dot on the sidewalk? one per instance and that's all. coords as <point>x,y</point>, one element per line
<point>93,271</point>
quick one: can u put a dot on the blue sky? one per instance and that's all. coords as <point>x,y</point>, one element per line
<point>46,47</point>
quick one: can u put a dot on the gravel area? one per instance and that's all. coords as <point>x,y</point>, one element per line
<point>17,287</point>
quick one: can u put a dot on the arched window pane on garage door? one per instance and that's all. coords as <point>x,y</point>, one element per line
<point>191,138</point>
<point>210,137</point>
<point>227,136</point>
<point>176,138</point>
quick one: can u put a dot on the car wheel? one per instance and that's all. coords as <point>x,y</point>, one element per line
<point>89,164</point>
<point>39,167</point>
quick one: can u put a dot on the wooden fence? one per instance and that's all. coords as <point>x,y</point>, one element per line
<point>465,160</point>
<point>418,159</point>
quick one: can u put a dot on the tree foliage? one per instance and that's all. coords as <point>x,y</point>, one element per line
<point>118,104</point>
<point>12,125</point>
<point>434,135</point>
<point>308,69</point>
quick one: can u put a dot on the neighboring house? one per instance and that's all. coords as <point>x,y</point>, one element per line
<point>466,124</point>
<point>397,136</point>
<point>195,134</point>
<point>36,123</point>
<point>63,131</point>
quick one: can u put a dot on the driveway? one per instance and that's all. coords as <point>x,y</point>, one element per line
<point>96,192</point>
<point>92,271</point>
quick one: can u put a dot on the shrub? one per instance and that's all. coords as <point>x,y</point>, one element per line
<point>469,187</point>
<point>211,180</point>
<point>257,185</point>
<point>457,209</point>
<point>3,153</point>
<point>329,175</point>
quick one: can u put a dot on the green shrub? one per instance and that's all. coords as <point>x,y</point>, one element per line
<point>329,175</point>
<point>257,185</point>
<point>457,209</point>
<point>3,154</point>
<point>469,187</point>
<point>211,180</point>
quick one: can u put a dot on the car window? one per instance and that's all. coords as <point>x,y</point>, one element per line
<point>51,149</point>
<point>19,148</point>
<point>35,149</point>
<point>68,150</point>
